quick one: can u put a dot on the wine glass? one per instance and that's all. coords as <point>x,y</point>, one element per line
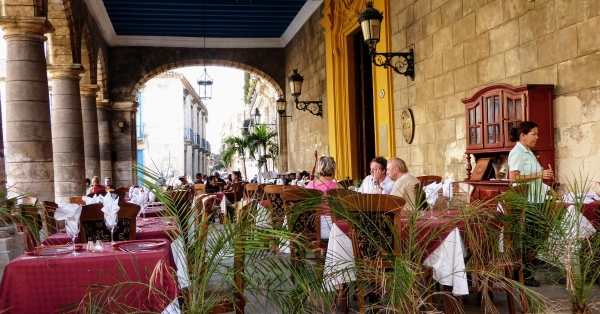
<point>72,228</point>
<point>111,224</point>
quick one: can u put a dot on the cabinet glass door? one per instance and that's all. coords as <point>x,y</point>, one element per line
<point>493,122</point>
<point>474,125</point>
<point>514,113</point>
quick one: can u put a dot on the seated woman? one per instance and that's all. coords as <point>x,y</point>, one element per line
<point>96,186</point>
<point>198,179</point>
<point>326,170</point>
<point>211,186</point>
<point>236,177</point>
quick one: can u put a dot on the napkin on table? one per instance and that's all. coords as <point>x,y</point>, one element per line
<point>431,192</point>
<point>447,188</point>
<point>110,209</point>
<point>70,213</point>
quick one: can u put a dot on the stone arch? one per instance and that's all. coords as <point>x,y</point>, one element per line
<point>171,66</point>
<point>101,75</point>
<point>137,65</point>
<point>87,58</point>
<point>62,43</point>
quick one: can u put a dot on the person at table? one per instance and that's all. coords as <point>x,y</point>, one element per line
<point>88,186</point>
<point>404,185</point>
<point>217,175</point>
<point>96,186</point>
<point>326,168</point>
<point>108,183</point>
<point>211,185</point>
<point>524,168</point>
<point>183,182</point>
<point>301,176</point>
<point>229,179</point>
<point>198,178</point>
<point>377,182</point>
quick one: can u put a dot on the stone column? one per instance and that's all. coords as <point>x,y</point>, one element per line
<point>102,111</point>
<point>67,131</point>
<point>2,169</point>
<point>123,142</point>
<point>91,142</point>
<point>28,131</point>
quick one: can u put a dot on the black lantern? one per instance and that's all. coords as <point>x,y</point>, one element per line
<point>205,83</point>
<point>256,116</point>
<point>313,106</point>
<point>370,24</point>
<point>281,103</point>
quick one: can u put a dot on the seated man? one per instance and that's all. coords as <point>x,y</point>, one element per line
<point>377,182</point>
<point>405,183</point>
<point>108,183</point>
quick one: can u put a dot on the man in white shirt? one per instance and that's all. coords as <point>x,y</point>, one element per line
<point>405,183</point>
<point>377,182</point>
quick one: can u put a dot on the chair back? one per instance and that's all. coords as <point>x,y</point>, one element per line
<point>273,193</point>
<point>346,183</point>
<point>51,223</point>
<point>122,192</point>
<point>340,193</point>
<point>238,191</point>
<point>199,189</point>
<point>305,222</point>
<point>30,223</point>
<point>77,200</point>
<point>427,180</point>
<point>181,200</point>
<point>93,226</point>
<point>374,221</point>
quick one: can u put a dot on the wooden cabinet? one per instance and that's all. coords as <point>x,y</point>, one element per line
<point>490,114</point>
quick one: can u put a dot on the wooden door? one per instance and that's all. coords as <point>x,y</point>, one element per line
<point>365,119</point>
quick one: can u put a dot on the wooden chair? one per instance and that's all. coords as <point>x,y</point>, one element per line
<point>303,213</point>
<point>181,200</point>
<point>346,183</point>
<point>30,223</point>
<point>122,192</point>
<point>237,193</point>
<point>229,298</point>
<point>273,193</point>
<point>76,200</point>
<point>93,226</point>
<point>374,222</point>
<point>427,180</point>
<point>199,189</point>
<point>485,246</point>
<point>49,209</point>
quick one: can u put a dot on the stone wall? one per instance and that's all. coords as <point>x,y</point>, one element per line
<point>305,132</point>
<point>462,45</point>
<point>12,245</point>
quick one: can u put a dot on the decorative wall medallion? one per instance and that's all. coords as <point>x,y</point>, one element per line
<point>408,125</point>
<point>382,93</point>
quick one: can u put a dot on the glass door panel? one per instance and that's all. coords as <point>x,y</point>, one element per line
<point>493,123</point>
<point>474,125</point>
<point>514,113</point>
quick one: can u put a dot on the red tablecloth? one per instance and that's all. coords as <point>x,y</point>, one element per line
<point>45,285</point>
<point>156,211</point>
<point>432,228</point>
<point>152,228</point>
<point>591,212</point>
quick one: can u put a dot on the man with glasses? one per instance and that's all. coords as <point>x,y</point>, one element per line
<point>377,182</point>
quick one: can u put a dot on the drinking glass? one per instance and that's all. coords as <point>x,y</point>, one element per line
<point>111,225</point>
<point>72,228</point>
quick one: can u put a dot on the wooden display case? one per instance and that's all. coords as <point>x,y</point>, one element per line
<point>490,114</point>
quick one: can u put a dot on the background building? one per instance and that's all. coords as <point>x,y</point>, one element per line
<point>171,127</point>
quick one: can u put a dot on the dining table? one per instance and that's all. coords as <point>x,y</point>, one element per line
<point>437,232</point>
<point>112,278</point>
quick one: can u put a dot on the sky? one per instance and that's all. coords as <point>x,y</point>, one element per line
<point>227,97</point>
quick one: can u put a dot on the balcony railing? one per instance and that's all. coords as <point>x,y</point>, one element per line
<point>196,140</point>
<point>188,135</point>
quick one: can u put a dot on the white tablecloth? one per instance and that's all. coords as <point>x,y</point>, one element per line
<point>447,261</point>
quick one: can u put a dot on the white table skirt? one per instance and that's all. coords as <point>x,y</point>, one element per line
<point>447,261</point>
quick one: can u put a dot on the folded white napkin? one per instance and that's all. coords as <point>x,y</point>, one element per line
<point>151,197</point>
<point>70,213</point>
<point>110,209</point>
<point>133,191</point>
<point>431,192</point>
<point>447,188</point>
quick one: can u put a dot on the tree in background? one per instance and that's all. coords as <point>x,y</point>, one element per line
<point>236,145</point>
<point>263,142</point>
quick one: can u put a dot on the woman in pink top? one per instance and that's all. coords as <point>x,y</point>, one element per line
<point>326,171</point>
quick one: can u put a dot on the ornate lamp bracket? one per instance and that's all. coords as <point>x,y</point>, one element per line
<point>401,62</point>
<point>315,107</point>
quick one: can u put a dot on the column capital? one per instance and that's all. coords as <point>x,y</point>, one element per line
<point>125,106</point>
<point>89,91</point>
<point>65,71</point>
<point>29,27</point>
<point>103,104</point>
